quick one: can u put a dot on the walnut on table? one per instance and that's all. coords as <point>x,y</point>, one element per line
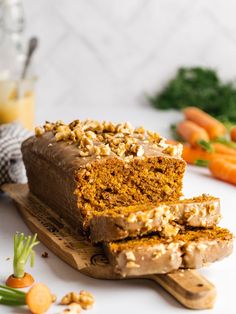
<point>85,299</point>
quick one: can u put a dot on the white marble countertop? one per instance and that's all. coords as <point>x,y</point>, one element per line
<point>138,296</point>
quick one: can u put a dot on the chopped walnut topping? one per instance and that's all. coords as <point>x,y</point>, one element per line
<point>84,153</point>
<point>139,130</point>
<point>160,250</point>
<point>140,151</point>
<point>101,139</point>
<point>48,126</point>
<point>90,135</point>
<point>62,136</point>
<point>125,128</point>
<point>154,137</point>
<point>78,133</point>
<point>85,141</point>
<point>39,131</point>
<point>109,127</point>
<point>128,158</point>
<point>201,247</point>
<point>121,149</point>
<point>130,256</point>
<point>169,150</point>
<point>105,150</point>
<point>131,264</point>
<point>169,230</point>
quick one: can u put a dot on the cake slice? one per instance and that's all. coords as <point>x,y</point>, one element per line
<point>87,166</point>
<point>164,217</point>
<point>157,255</point>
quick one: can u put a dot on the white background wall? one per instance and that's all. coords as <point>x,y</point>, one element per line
<point>97,58</point>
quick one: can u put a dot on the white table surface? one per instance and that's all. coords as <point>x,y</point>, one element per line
<point>128,296</point>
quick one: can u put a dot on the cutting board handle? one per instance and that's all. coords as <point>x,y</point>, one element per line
<point>188,287</point>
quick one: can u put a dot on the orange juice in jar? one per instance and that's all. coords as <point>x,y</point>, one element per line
<point>17,102</point>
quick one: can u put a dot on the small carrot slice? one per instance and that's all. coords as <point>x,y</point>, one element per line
<point>23,282</point>
<point>192,133</point>
<point>39,298</point>
<point>233,134</point>
<point>213,127</point>
<point>223,170</point>
<point>224,149</point>
<point>192,155</point>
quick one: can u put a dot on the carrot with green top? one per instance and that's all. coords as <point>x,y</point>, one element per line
<point>193,155</point>
<point>213,127</point>
<point>23,250</point>
<point>224,170</point>
<point>233,134</point>
<point>192,133</point>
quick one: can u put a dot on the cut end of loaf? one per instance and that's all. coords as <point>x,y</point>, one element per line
<point>112,182</point>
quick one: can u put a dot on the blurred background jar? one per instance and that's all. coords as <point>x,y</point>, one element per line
<point>17,96</point>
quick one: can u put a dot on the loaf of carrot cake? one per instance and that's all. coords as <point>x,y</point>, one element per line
<point>86,166</point>
<point>165,217</point>
<point>193,248</point>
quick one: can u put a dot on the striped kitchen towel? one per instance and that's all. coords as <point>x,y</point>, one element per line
<point>11,163</point>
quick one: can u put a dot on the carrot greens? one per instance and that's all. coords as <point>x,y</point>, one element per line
<point>199,87</point>
<point>206,145</point>
<point>23,250</point>
<point>10,296</point>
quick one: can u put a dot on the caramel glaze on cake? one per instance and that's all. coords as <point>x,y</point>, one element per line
<point>87,166</point>
<point>191,248</point>
<point>165,217</point>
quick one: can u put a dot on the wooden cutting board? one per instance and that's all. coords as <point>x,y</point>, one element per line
<point>187,286</point>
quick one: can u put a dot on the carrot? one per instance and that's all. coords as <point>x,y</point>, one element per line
<point>213,127</point>
<point>224,170</point>
<point>192,133</point>
<point>39,298</point>
<point>23,282</point>
<point>192,155</point>
<point>224,149</point>
<point>23,250</point>
<point>233,134</point>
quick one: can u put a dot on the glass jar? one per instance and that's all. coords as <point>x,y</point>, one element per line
<point>17,102</point>
<point>17,99</point>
